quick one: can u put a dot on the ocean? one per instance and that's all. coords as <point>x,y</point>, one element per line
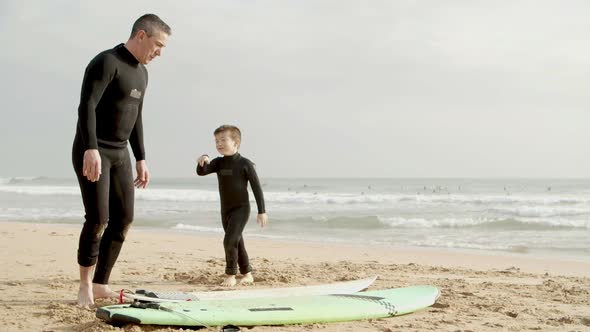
<point>539,217</point>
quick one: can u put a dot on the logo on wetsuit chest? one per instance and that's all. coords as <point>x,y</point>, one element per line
<point>135,93</point>
<point>227,171</point>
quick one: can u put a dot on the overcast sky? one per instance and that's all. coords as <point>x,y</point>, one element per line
<point>319,88</point>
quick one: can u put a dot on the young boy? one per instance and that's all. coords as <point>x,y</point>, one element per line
<point>233,173</point>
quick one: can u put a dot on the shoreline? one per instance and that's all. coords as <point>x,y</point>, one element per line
<point>456,257</point>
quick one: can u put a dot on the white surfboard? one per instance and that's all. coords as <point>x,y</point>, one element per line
<point>342,287</point>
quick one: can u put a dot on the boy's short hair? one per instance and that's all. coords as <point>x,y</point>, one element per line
<point>234,132</point>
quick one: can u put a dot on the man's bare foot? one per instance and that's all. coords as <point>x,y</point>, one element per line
<point>247,279</point>
<point>103,291</point>
<point>229,281</point>
<point>85,296</point>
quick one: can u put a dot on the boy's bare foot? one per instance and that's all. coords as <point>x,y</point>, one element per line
<point>229,281</point>
<point>247,279</point>
<point>85,297</point>
<point>103,291</point>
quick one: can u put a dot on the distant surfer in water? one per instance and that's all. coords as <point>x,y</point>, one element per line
<point>233,173</point>
<point>109,116</point>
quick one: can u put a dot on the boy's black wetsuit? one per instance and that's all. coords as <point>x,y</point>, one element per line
<point>233,174</point>
<point>109,115</point>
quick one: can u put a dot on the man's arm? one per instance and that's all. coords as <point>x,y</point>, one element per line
<point>96,79</point>
<point>136,138</point>
<point>136,141</point>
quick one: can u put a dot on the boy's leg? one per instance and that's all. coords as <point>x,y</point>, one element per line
<point>243,259</point>
<point>241,215</point>
<point>235,252</point>
<point>229,280</point>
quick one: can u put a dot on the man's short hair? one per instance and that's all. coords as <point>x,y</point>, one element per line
<point>151,24</point>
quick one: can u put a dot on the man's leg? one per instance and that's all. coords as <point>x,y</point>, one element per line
<point>95,199</point>
<point>85,292</point>
<point>121,205</point>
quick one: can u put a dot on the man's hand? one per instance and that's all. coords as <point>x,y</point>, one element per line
<point>143,174</point>
<point>91,167</point>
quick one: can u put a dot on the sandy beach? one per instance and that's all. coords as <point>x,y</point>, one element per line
<point>480,292</point>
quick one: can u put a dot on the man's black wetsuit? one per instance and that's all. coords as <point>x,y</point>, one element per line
<point>233,174</point>
<point>109,115</point>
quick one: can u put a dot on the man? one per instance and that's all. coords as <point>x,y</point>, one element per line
<point>110,115</point>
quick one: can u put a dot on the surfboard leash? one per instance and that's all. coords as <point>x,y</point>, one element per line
<point>121,296</point>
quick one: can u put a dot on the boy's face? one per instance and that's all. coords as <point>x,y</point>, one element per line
<point>225,144</point>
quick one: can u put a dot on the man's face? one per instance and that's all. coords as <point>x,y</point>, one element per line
<point>151,46</point>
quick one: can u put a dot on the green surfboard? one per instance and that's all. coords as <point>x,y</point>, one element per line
<point>274,311</point>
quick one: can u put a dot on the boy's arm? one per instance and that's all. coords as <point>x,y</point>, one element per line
<point>208,167</point>
<point>256,188</point>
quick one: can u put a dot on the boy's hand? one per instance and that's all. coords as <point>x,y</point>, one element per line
<point>204,159</point>
<point>262,219</point>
